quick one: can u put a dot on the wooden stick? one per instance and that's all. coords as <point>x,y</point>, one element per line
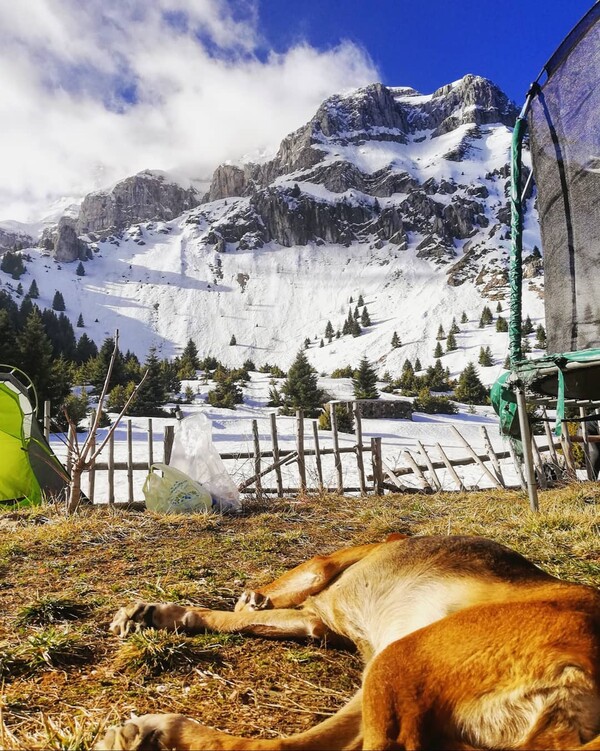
<point>318,455</point>
<point>70,447</point>
<point>275,442</point>
<point>150,445</point>
<point>390,473</point>
<point>252,480</point>
<point>336,449</point>
<point>539,465</point>
<point>478,461</point>
<point>92,471</point>
<point>300,449</point>
<point>129,462</point>
<point>549,437</point>
<point>47,420</point>
<point>565,442</point>
<point>111,470</point>
<point>527,450</point>
<point>450,468</point>
<point>377,464</point>
<point>359,457</point>
<point>435,480</point>
<point>493,456</point>
<point>517,464</point>
<point>168,439</point>
<point>586,444</point>
<point>257,474</point>
<point>416,469</point>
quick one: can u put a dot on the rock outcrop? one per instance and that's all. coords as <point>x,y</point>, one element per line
<point>147,196</point>
<point>67,245</point>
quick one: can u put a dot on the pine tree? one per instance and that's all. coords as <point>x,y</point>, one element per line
<point>407,377</point>
<point>80,270</point>
<point>19,289</point>
<point>454,327</point>
<point>8,346</point>
<point>34,351</point>
<point>540,337</point>
<point>527,327</point>
<point>188,361</point>
<point>321,343</point>
<point>355,329</point>
<point>499,307</point>
<point>360,300</point>
<point>437,378</point>
<point>85,350</point>
<point>58,301</point>
<point>486,317</point>
<point>33,291</point>
<point>300,389</point>
<point>501,324</point>
<point>418,365</point>
<point>469,389</point>
<point>80,323</point>
<point>99,367</point>
<point>306,343</point>
<point>227,393</point>
<point>485,357</point>
<point>232,341</point>
<point>396,340</point>
<point>329,331</point>
<point>364,318</point>
<point>152,394</point>
<point>438,352</point>
<point>525,346</point>
<point>356,314</point>
<point>451,344</point>
<point>463,318</point>
<point>507,362</point>
<point>364,381</point>
<point>440,333</point>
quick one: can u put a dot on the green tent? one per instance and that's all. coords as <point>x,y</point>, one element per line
<point>28,468</point>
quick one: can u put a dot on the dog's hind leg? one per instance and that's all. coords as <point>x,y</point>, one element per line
<point>309,578</point>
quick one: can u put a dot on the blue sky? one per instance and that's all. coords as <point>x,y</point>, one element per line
<point>427,43</point>
<point>98,90</point>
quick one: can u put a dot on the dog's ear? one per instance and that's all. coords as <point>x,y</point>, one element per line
<point>396,536</point>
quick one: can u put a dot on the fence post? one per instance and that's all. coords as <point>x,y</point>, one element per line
<point>318,455</point>
<point>275,442</point>
<point>300,446</point>
<point>586,444</point>
<point>377,465</point>
<point>257,481</point>
<point>168,443</point>
<point>129,462</point>
<point>150,445</point>
<point>359,457</point>
<point>336,450</point>
<point>92,469</point>
<point>70,448</point>
<point>111,470</point>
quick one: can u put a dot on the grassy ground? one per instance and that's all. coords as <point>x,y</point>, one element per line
<point>61,579</point>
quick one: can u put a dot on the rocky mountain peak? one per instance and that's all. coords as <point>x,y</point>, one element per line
<point>147,196</point>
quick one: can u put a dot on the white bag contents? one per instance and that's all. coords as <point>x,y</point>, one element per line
<point>174,492</point>
<point>195,454</point>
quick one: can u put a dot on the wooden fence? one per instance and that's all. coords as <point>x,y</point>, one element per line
<point>359,468</point>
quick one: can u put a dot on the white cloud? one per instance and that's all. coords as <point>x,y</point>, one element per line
<point>95,91</point>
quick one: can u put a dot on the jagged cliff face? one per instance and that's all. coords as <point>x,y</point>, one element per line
<point>382,166</point>
<point>147,196</point>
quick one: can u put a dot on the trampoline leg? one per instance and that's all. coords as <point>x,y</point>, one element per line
<point>527,450</point>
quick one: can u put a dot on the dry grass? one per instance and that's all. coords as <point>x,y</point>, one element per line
<point>64,676</point>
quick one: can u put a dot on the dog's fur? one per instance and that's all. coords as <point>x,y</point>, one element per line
<point>467,645</point>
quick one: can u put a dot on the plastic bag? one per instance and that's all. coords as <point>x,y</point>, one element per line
<point>195,454</point>
<point>174,492</point>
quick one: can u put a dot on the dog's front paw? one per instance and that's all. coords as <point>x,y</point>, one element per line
<point>132,618</point>
<point>251,600</point>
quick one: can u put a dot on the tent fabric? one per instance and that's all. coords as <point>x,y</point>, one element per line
<point>565,147</point>
<point>28,468</point>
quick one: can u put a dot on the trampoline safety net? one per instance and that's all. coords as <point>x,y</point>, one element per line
<point>564,126</point>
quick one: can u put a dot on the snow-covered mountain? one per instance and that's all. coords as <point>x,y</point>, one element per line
<point>386,193</point>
